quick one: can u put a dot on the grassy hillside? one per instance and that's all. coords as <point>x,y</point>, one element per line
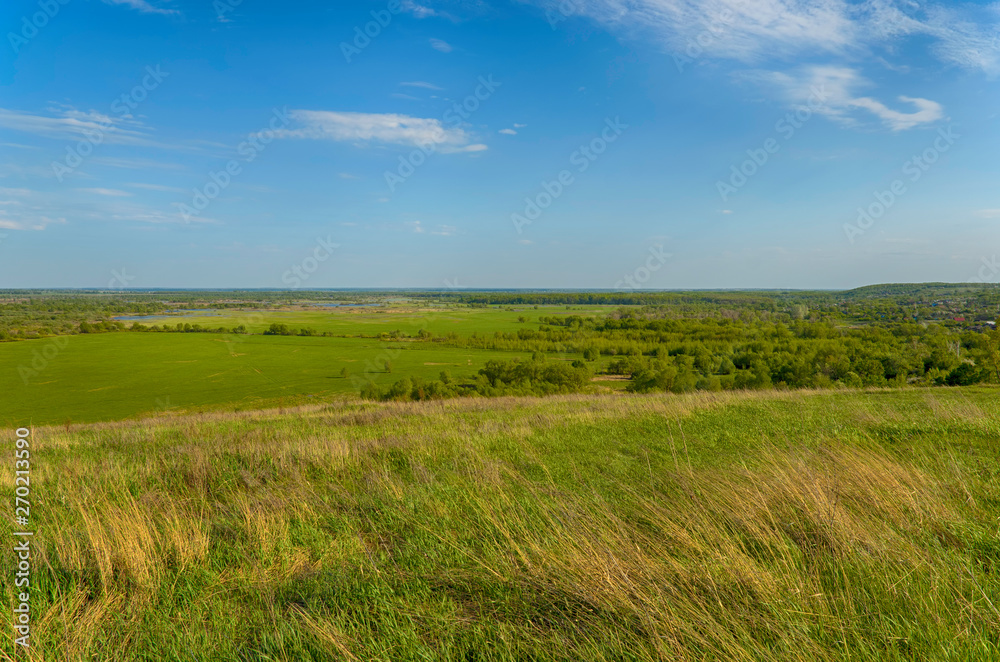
<point>732,526</point>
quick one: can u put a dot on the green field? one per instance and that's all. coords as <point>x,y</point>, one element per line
<point>800,526</point>
<point>117,375</point>
<point>385,318</point>
<point>95,377</point>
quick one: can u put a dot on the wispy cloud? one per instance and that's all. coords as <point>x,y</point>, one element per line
<point>833,91</point>
<point>928,111</point>
<point>417,227</point>
<point>157,187</point>
<point>422,84</point>
<point>135,164</point>
<point>508,132</point>
<point>967,36</point>
<point>68,123</point>
<point>387,128</point>
<point>441,45</point>
<point>111,192</point>
<point>962,34</point>
<point>72,124</point>
<point>731,28</point>
<point>27,221</point>
<point>142,6</point>
<point>420,11</point>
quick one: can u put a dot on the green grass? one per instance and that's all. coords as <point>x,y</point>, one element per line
<point>410,319</point>
<point>117,375</point>
<point>737,526</point>
<point>100,377</point>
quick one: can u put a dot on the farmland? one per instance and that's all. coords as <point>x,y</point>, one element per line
<point>76,357</point>
<point>109,376</point>
<point>114,376</point>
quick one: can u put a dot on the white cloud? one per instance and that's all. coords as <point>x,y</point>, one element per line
<point>134,164</point>
<point>422,84</point>
<point>508,132</point>
<point>27,222</point>
<point>157,187</point>
<point>519,126</point>
<point>111,192</point>
<point>929,111</point>
<point>988,213</point>
<point>388,128</point>
<point>732,28</point>
<point>833,91</point>
<point>965,35</point>
<point>72,124</point>
<point>68,123</point>
<point>142,6</point>
<point>419,11</point>
<point>441,45</point>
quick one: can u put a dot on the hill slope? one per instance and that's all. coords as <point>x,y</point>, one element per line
<point>736,526</point>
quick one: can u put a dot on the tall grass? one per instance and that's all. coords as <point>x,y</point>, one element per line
<point>763,526</point>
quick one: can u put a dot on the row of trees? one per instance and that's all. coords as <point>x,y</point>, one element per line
<point>497,378</point>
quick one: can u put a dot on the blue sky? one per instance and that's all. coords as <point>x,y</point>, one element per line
<point>581,143</point>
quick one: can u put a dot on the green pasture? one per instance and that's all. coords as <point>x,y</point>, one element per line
<point>111,376</point>
<point>408,319</point>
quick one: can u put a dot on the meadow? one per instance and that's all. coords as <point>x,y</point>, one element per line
<point>105,376</point>
<point>805,525</point>
<point>110,376</point>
